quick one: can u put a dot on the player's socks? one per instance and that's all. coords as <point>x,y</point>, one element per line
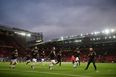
<point>85,69</point>
<point>10,66</point>
<point>75,65</point>
<point>51,66</point>
<point>13,66</point>
<point>32,66</point>
<point>27,63</point>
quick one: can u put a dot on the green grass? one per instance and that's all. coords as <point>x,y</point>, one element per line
<point>66,70</point>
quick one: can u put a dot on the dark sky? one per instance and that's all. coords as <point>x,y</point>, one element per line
<point>57,18</point>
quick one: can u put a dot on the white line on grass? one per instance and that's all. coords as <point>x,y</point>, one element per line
<point>63,74</point>
<point>72,75</point>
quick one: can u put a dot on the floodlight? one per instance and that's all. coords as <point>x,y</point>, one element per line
<point>114,36</point>
<point>22,33</point>
<point>97,38</point>
<point>105,37</point>
<point>92,33</point>
<point>81,34</point>
<point>112,30</point>
<point>78,41</point>
<point>96,33</point>
<point>62,38</point>
<point>93,38</point>
<point>29,35</point>
<point>106,31</point>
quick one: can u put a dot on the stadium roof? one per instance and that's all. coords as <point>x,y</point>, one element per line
<point>5,27</point>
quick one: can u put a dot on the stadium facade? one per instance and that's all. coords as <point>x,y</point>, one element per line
<point>22,38</point>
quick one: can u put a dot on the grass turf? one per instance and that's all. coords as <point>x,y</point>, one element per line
<point>66,70</point>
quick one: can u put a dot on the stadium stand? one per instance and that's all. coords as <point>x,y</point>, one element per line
<point>14,38</point>
<point>103,43</point>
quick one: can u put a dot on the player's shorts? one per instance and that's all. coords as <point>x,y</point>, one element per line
<point>42,60</point>
<point>53,61</point>
<point>28,60</point>
<point>14,60</point>
<point>76,59</point>
<point>34,60</point>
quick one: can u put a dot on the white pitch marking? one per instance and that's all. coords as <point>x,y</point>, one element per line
<point>65,74</point>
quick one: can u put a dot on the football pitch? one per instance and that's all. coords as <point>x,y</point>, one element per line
<point>66,70</point>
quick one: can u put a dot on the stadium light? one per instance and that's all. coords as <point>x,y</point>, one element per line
<point>112,30</point>
<point>29,35</point>
<point>78,41</point>
<point>96,33</point>
<point>92,33</point>
<point>81,34</point>
<point>62,38</point>
<point>93,38</point>
<point>106,31</point>
<point>105,37</point>
<point>114,36</point>
<point>97,38</point>
<point>22,33</point>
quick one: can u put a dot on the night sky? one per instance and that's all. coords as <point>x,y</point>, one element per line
<point>57,18</point>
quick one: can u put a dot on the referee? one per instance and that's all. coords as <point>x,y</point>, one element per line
<point>91,56</point>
